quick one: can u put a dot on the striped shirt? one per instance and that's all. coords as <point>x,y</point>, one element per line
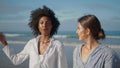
<point>101,57</point>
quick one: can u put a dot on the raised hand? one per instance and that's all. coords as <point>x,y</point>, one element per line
<point>2,39</point>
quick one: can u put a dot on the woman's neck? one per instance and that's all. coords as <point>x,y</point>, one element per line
<point>44,38</point>
<point>91,44</point>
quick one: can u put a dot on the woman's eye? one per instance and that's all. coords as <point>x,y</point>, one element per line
<point>40,22</point>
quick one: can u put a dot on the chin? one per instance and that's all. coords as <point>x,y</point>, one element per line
<point>81,39</point>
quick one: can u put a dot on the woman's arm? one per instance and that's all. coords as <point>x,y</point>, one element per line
<point>62,60</point>
<point>17,58</point>
<point>111,60</point>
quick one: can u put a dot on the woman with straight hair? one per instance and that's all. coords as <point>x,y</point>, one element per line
<point>92,53</point>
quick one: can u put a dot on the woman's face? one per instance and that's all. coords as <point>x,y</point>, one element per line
<point>81,32</point>
<point>45,25</point>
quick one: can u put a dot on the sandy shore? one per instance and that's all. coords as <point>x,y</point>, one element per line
<point>65,44</point>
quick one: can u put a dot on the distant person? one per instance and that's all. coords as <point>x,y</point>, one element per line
<point>92,54</point>
<point>43,51</point>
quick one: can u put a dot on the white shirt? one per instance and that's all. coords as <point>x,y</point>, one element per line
<point>41,56</point>
<point>54,57</point>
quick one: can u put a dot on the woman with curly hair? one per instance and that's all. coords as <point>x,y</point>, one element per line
<point>44,51</point>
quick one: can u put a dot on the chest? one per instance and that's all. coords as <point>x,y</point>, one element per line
<point>50,52</point>
<point>85,54</point>
<point>91,59</point>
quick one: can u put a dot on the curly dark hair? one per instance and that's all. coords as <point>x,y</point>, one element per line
<point>37,14</point>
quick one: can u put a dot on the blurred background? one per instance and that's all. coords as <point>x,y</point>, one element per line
<point>15,15</point>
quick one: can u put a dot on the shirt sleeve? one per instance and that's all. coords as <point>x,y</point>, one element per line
<point>111,60</point>
<point>62,60</point>
<point>16,58</point>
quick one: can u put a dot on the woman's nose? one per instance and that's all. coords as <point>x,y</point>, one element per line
<point>44,24</point>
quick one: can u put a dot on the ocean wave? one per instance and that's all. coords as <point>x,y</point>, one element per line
<point>56,36</point>
<point>65,36</point>
<point>74,36</point>
<point>13,35</point>
<point>17,42</point>
<point>114,46</point>
<point>116,37</point>
<point>60,36</point>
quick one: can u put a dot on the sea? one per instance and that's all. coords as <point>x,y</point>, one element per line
<point>17,41</point>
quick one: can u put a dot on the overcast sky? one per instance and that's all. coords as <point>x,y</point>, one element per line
<point>15,14</point>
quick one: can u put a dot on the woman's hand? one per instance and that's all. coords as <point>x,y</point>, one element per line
<point>2,39</point>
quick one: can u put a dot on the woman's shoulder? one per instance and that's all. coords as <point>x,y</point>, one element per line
<point>56,42</point>
<point>33,40</point>
<point>110,53</point>
<point>78,47</point>
<point>107,50</point>
<point>105,47</point>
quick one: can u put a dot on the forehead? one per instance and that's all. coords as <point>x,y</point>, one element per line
<point>44,18</point>
<point>79,25</point>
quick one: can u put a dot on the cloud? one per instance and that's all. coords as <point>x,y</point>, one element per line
<point>102,6</point>
<point>115,19</point>
<point>18,11</point>
<point>15,18</point>
<point>10,10</point>
<point>111,24</point>
<point>64,15</point>
<point>14,27</point>
<point>13,12</point>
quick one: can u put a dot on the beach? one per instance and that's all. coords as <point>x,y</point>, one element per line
<point>6,63</point>
<point>17,41</point>
<point>69,48</point>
